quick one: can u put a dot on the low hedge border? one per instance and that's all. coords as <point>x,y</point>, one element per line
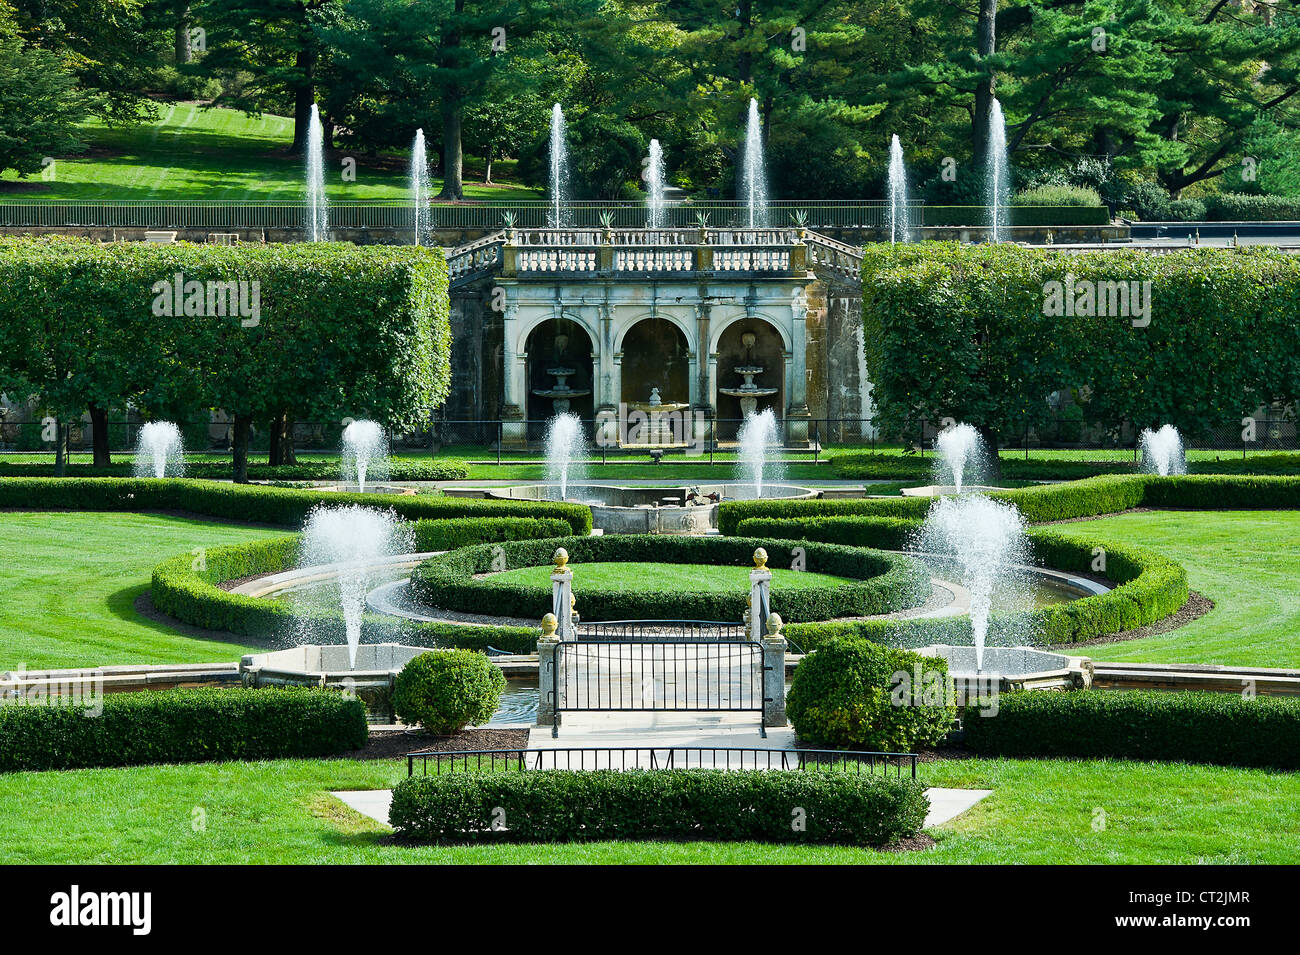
<point>885,582</point>
<point>555,805</point>
<point>465,531</point>
<point>181,726</point>
<point>867,465</point>
<point>263,505</point>
<point>187,588</point>
<point>445,469</point>
<point>1055,502</point>
<point>1149,587</point>
<point>1194,727</point>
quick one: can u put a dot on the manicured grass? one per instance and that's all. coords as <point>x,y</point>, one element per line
<point>1245,561</point>
<point>281,812</point>
<point>651,577</point>
<point>195,153</point>
<point>69,581</point>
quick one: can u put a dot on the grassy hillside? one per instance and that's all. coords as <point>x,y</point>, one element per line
<point>196,153</point>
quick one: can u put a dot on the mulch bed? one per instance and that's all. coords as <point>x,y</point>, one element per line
<point>389,744</point>
<point>1197,605</point>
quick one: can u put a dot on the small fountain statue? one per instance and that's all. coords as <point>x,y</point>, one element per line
<point>560,393</point>
<point>748,393</point>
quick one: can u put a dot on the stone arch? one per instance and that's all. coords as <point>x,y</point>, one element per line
<point>769,350</point>
<point>563,343</point>
<point>656,353</point>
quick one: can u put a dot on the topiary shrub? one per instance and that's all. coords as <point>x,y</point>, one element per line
<point>447,690</point>
<point>852,694</point>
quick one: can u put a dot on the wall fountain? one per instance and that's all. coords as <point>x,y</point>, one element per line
<point>748,393</point>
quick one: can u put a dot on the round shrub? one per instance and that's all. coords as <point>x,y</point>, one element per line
<point>447,690</point>
<point>852,694</point>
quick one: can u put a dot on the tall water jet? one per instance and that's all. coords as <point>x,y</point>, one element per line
<point>960,456</point>
<point>559,212</point>
<point>997,169</point>
<point>758,433</point>
<point>566,447</point>
<point>159,451</point>
<point>897,212</point>
<point>365,453</point>
<point>656,211</point>
<point>753,178</point>
<point>317,205</point>
<point>984,541</point>
<point>1162,451</point>
<point>352,538</point>
<point>421,214</point>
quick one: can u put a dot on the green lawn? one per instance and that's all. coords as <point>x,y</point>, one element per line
<point>651,577</point>
<point>195,153</point>
<point>69,581</point>
<point>1247,562</point>
<point>281,812</point>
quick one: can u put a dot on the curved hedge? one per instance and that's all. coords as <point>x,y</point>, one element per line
<point>885,582</point>
<point>1149,587</point>
<point>1196,727</point>
<point>1105,494</point>
<point>186,587</point>
<point>263,505</point>
<point>463,531</point>
<point>556,805</point>
<point>181,726</point>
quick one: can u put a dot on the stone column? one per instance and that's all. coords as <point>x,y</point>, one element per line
<point>760,583</point>
<point>797,415</point>
<point>549,661</point>
<point>702,404</point>
<point>514,399</point>
<point>773,644</point>
<point>562,601</point>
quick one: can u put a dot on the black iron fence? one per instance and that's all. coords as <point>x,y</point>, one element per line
<point>663,757</point>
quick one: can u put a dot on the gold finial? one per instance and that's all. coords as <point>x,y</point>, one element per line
<point>549,625</point>
<point>760,559</point>
<point>561,558</point>
<point>774,624</point>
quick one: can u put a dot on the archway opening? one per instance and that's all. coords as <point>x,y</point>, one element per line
<point>559,373</point>
<point>656,355</point>
<point>751,356</point>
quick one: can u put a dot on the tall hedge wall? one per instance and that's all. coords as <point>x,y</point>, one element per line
<point>966,332</point>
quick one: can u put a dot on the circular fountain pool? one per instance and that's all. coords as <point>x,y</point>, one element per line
<point>683,509</point>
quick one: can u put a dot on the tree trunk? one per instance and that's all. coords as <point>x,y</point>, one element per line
<point>239,444</point>
<point>60,449</point>
<point>99,436</point>
<point>181,36</point>
<point>985,44</point>
<point>303,97</point>
<point>453,159</point>
<point>487,169</point>
<point>994,467</point>
<point>281,451</point>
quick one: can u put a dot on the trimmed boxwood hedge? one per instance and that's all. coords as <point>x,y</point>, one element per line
<point>263,505</point>
<point>399,469</point>
<point>877,466</point>
<point>181,726</point>
<point>556,805</point>
<point>1106,494</point>
<point>885,582</point>
<point>1194,727</point>
<point>464,531</point>
<point>1149,587</point>
<point>186,587</point>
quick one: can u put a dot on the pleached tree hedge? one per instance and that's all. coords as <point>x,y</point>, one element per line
<point>317,331</point>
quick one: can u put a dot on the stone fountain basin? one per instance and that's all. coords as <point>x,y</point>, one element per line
<point>369,489</point>
<point>940,490</point>
<point>1012,668</point>
<point>327,666</point>
<point>650,510</point>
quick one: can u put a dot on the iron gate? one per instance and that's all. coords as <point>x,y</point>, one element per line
<point>646,667</point>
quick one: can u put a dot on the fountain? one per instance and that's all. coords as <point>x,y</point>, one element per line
<point>351,540</point>
<point>317,205</point>
<point>986,541</point>
<point>656,421</point>
<point>365,453</point>
<point>997,165</point>
<point>159,451</point>
<point>897,213</point>
<point>748,393</point>
<point>561,394</point>
<point>559,170</point>
<point>757,434</point>
<point>566,447</point>
<point>1162,451</point>
<point>753,180</point>
<point>656,211</point>
<point>420,191</point>
<point>959,448</point>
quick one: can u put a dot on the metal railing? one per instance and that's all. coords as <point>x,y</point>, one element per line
<point>660,631</point>
<point>662,757</point>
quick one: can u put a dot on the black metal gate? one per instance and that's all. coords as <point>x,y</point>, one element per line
<point>635,666</point>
